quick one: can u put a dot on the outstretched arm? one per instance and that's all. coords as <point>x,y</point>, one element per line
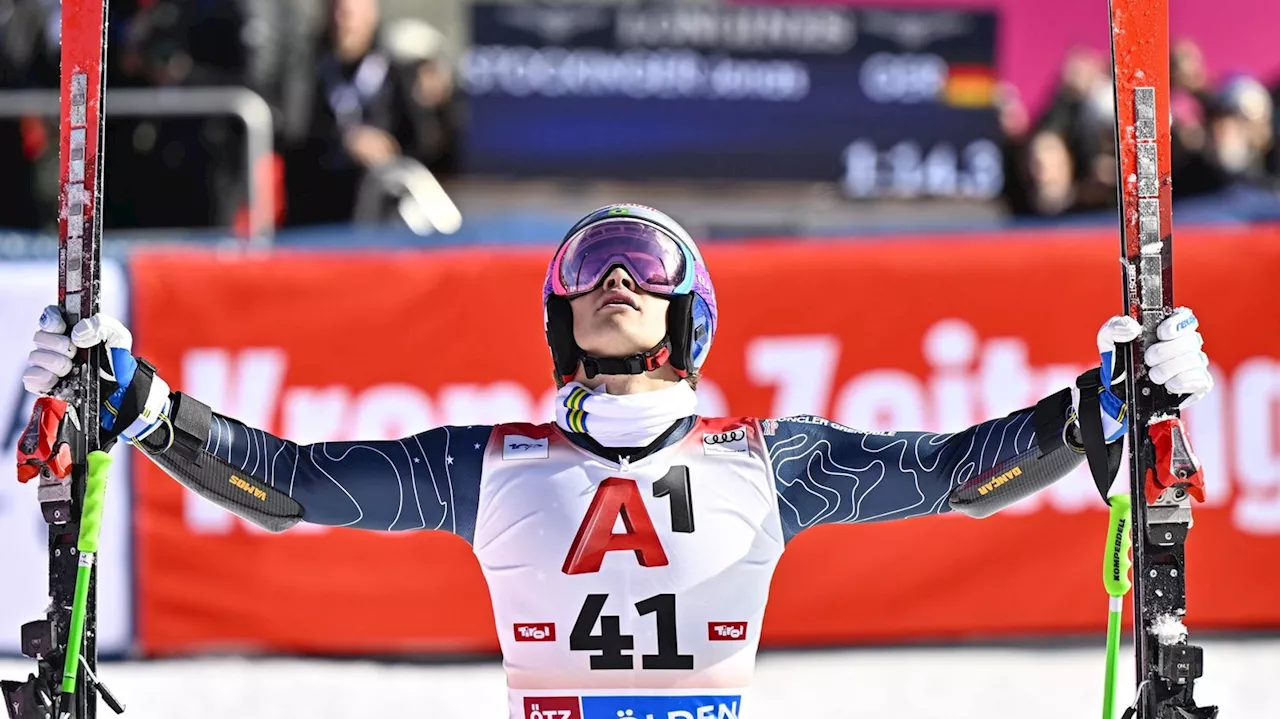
<point>827,473</point>
<point>428,481</point>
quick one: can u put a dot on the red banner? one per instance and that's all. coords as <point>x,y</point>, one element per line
<point>903,333</point>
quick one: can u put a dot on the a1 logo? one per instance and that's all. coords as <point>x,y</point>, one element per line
<point>618,498</point>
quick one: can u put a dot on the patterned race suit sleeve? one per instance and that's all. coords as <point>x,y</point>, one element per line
<point>827,473</point>
<point>428,481</point>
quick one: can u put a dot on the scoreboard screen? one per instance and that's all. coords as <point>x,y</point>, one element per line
<point>888,103</point>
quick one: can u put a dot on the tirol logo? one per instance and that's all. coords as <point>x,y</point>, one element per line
<point>541,632</point>
<point>732,442</point>
<point>726,631</point>
<point>552,708</point>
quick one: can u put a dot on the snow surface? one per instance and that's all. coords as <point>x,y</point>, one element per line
<point>905,683</point>
<point>1169,629</point>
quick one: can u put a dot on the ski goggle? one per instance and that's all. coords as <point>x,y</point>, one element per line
<point>656,261</point>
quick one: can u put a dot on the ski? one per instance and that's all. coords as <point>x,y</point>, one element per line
<point>57,444</point>
<point>1164,474</point>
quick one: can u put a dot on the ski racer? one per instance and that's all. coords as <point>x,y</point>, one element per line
<point>629,545</point>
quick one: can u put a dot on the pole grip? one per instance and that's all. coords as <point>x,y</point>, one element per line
<point>87,543</point>
<point>1115,561</point>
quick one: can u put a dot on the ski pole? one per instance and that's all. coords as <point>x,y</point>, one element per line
<point>87,544</point>
<point>1115,577</point>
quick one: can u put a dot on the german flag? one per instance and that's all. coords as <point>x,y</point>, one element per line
<point>970,86</point>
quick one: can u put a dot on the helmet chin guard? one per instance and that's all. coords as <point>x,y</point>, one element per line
<point>632,364</point>
<point>567,355</point>
<point>691,316</point>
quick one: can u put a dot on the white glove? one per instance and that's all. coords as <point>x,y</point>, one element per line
<point>51,361</point>
<point>1175,361</point>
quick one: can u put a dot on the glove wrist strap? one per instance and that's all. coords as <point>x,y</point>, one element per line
<point>1103,462</point>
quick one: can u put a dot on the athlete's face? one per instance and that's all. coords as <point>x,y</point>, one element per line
<point>618,318</point>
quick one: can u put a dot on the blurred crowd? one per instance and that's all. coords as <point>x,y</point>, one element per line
<point>350,95</point>
<point>360,102</point>
<point>1223,136</point>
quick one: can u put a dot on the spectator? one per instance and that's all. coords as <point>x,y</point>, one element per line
<point>1082,100</point>
<point>1051,174</point>
<point>1221,138</point>
<point>28,145</point>
<point>1250,105</point>
<point>1068,165</point>
<point>1096,148</point>
<point>189,171</point>
<point>28,43</point>
<point>1238,142</point>
<point>371,105</point>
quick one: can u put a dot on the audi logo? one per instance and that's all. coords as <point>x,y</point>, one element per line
<point>736,435</point>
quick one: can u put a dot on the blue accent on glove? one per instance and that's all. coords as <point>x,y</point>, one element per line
<point>124,366</point>
<point>1112,406</point>
<point>1115,409</point>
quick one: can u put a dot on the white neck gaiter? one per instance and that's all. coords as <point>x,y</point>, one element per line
<point>631,420</point>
